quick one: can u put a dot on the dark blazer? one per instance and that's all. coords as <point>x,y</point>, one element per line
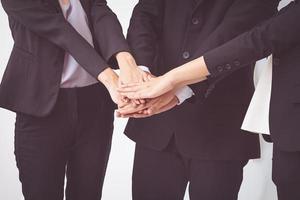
<point>164,34</point>
<point>41,37</point>
<point>279,35</point>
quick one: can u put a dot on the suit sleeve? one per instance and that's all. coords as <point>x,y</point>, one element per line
<point>144,30</point>
<point>276,35</point>
<point>108,31</point>
<point>44,20</point>
<point>240,17</point>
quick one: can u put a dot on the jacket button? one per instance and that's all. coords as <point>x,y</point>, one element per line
<point>228,67</point>
<point>195,21</point>
<point>186,55</point>
<point>220,69</point>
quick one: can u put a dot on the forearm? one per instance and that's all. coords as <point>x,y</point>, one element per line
<point>144,30</point>
<point>107,30</point>
<point>190,73</point>
<point>125,61</point>
<point>46,21</point>
<point>270,37</point>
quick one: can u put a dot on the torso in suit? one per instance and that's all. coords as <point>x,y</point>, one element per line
<point>173,32</point>
<point>62,122</point>
<point>280,36</point>
<point>41,37</point>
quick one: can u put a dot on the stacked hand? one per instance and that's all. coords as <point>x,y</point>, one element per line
<point>131,74</point>
<point>156,100</point>
<point>152,88</point>
<point>139,94</point>
<point>160,90</point>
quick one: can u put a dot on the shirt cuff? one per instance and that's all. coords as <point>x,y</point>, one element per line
<point>183,94</point>
<point>144,68</point>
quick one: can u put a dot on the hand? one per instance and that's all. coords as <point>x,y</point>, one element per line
<point>153,88</point>
<point>130,72</point>
<point>110,80</point>
<point>192,72</point>
<point>131,107</point>
<point>153,106</point>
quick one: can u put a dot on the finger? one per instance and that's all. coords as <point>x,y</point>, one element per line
<point>122,104</point>
<point>130,85</point>
<point>137,101</point>
<point>118,114</point>
<point>142,101</point>
<point>128,106</point>
<point>158,105</point>
<point>167,107</point>
<point>132,115</point>
<point>131,109</point>
<point>128,110</point>
<point>150,77</point>
<point>131,95</point>
<point>141,94</point>
<point>137,116</point>
<point>129,89</point>
<point>144,112</point>
<point>146,77</point>
<point>125,99</point>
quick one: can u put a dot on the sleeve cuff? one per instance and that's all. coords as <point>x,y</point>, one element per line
<point>219,63</point>
<point>183,94</point>
<point>144,68</point>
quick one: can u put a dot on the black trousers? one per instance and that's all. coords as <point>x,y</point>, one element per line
<point>163,175</point>
<point>74,140</point>
<point>286,174</point>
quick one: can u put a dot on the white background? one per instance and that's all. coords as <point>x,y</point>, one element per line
<point>257,184</point>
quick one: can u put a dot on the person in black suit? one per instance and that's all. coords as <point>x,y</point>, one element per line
<point>64,123</point>
<point>199,141</point>
<point>280,36</point>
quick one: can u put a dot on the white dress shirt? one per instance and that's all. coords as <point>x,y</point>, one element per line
<point>73,74</point>
<point>257,116</point>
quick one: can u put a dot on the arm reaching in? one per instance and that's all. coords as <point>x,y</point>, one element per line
<point>110,80</point>
<point>275,35</point>
<point>189,73</point>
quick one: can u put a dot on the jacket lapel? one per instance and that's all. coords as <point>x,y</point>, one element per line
<point>87,5</point>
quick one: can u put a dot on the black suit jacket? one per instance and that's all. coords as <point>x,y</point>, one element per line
<point>164,34</point>
<point>279,35</point>
<point>41,37</point>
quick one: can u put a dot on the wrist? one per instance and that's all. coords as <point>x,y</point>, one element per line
<point>108,78</point>
<point>125,60</point>
<point>172,78</point>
